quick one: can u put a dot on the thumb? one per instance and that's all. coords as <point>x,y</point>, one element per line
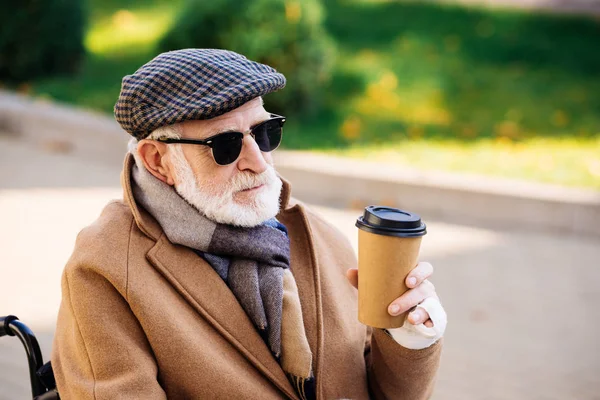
<point>352,275</point>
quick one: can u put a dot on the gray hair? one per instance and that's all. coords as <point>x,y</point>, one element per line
<point>164,132</point>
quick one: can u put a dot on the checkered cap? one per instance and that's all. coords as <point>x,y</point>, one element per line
<point>190,84</point>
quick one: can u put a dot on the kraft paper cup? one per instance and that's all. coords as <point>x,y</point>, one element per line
<point>389,240</point>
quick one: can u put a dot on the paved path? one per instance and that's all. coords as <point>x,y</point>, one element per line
<point>523,316</point>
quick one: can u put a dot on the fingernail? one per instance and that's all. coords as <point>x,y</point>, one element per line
<point>412,281</point>
<point>394,308</point>
<point>416,317</point>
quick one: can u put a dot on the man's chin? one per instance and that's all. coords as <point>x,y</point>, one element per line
<point>246,216</point>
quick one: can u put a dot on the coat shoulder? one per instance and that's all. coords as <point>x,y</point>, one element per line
<point>103,246</point>
<point>110,230</point>
<point>327,236</point>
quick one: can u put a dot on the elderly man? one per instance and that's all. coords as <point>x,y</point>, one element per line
<point>208,280</point>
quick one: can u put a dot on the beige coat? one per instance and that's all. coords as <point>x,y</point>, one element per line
<point>141,318</point>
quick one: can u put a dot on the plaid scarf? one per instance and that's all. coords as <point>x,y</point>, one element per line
<point>253,262</point>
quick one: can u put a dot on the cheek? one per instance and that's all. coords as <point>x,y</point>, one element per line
<point>200,161</point>
<point>213,175</point>
<point>268,158</point>
<point>198,156</point>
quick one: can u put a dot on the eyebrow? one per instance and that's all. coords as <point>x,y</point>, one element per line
<point>214,132</point>
<point>228,129</point>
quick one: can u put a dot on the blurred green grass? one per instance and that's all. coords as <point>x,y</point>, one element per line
<point>564,161</point>
<point>505,93</point>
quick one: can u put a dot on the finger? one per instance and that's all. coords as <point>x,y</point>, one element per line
<point>412,297</point>
<point>352,275</point>
<point>422,271</point>
<point>428,323</point>
<point>418,316</point>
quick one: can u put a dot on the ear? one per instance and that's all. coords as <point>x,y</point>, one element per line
<point>155,159</point>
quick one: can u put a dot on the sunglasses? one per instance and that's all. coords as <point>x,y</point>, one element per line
<point>227,146</point>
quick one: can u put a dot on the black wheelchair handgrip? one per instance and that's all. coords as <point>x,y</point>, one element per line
<point>4,328</point>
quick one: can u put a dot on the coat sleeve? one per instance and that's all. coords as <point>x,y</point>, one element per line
<point>100,351</point>
<point>395,372</point>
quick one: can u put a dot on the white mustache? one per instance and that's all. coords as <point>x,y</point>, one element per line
<point>249,180</point>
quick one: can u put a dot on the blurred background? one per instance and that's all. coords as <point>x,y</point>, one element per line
<point>483,116</point>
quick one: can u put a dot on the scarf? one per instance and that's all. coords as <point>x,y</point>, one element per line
<point>253,262</point>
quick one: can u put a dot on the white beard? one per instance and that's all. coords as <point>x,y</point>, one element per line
<point>216,201</point>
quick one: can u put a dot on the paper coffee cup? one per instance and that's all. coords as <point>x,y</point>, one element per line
<point>389,240</point>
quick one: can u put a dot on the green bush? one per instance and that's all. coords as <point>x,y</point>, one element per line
<point>287,35</point>
<point>40,38</point>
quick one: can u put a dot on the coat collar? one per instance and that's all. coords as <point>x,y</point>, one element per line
<point>200,285</point>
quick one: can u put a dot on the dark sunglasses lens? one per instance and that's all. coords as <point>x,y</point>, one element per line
<point>268,135</point>
<point>226,147</point>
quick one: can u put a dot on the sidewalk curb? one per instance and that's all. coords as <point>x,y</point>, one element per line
<point>472,200</point>
<point>343,182</point>
<point>40,121</point>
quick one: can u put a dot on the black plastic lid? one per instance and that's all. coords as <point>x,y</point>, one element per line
<point>391,222</point>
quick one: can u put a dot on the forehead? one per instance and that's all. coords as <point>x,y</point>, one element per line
<point>239,119</point>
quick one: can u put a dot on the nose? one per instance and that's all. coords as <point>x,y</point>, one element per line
<point>251,158</point>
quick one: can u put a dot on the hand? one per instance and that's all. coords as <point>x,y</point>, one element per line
<point>420,288</point>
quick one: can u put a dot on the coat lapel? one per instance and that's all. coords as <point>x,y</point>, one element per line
<point>304,267</point>
<point>204,290</point>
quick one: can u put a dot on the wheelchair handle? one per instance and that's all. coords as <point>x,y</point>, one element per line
<point>4,325</point>
<point>11,326</point>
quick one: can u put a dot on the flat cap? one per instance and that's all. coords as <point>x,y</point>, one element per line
<point>190,84</point>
